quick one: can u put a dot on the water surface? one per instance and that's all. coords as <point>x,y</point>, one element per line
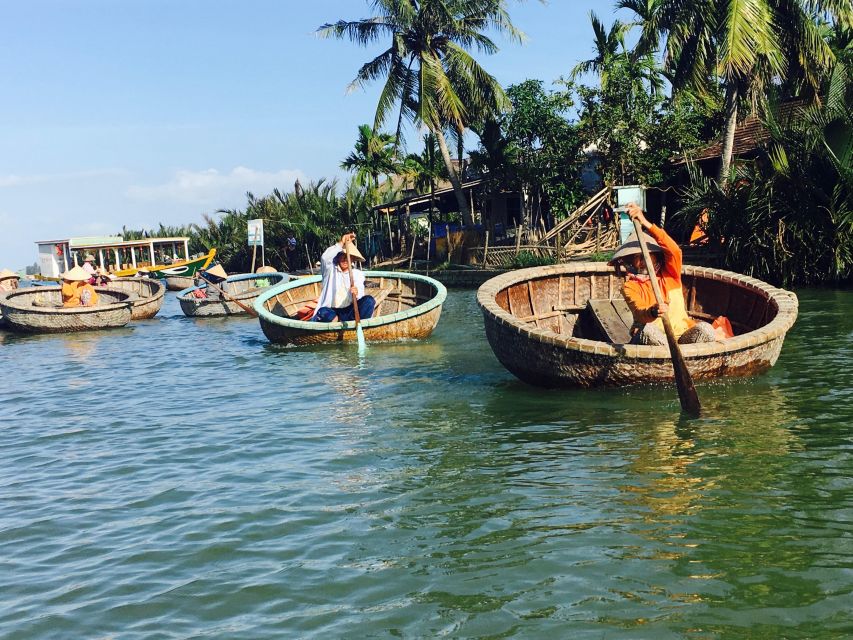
<point>183,478</point>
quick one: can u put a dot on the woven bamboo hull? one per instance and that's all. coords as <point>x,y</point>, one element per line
<point>410,312</point>
<point>113,310</point>
<point>149,295</point>
<point>420,326</point>
<point>239,287</point>
<point>548,352</point>
<point>179,283</point>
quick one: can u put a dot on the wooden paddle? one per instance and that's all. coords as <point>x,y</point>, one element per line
<point>248,310</point>
<point>683,381</point>
<point>359,332</point>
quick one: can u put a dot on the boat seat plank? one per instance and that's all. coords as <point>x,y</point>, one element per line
<point>613,319</point>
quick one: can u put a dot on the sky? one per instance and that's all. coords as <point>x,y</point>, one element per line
<point>140,112</point>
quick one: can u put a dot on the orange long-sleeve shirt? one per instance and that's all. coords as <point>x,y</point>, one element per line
<point>640,295</point>
<point>73,291</point>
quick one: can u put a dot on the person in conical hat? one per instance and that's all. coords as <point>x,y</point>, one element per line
<point>639,294</point>
<point>265,269</point>
<point>215,275</point>
<point>76,290</point>
<point>8,280</point>
<point>339,294</point>
<point>89,264</point>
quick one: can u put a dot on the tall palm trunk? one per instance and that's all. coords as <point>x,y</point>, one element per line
<point>467,219</point>
<point>732,94</point>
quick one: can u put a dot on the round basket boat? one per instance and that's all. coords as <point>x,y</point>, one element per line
<point>408,306</point>
<point>40,310</point>
<point>148,295</point>
<point>546,325</point>
<point>179,283</point>
<point>245,288</point>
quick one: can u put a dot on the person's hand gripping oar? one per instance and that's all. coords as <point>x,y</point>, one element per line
<point>359,332</point>
<point>683,380</point>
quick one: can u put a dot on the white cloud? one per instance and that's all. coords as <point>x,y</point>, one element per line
<point>212,188</point>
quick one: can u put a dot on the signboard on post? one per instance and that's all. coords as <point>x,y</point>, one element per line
<point>256,233</point>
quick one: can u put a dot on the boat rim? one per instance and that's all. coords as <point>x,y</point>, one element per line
<point>786,302</point>
<point>308,325</point>
<point>6,300</point>
<point>239,277</point>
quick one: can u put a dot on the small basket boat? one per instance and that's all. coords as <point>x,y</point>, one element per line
<point>408,306</point>
<point>40,310</point>
<point>179,283</point>
<point>149,295</point>
<point>542,325</point>
<point>244,287</point>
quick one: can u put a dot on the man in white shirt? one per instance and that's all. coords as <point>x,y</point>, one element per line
<point>336,298</point>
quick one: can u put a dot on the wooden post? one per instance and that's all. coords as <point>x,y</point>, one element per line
<point>486,249</point>
<point>412,254</point>
<point>308,255</point>
<point>390,237</point>
<point>517,238</point>
<point>429,239</point>
<point>254,253</point>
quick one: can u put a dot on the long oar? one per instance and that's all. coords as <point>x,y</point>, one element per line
<point>683,381</point>
<point>248,310</point>
<point>359,332</point>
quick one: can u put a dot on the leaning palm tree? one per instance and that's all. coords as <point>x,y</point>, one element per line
<point>428,72</point>
<point>372,157</point>
<point>745,44</point>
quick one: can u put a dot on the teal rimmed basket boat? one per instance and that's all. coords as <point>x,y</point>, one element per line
<point>408,306</point>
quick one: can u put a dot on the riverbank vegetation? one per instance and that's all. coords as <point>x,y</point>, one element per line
<point>658,87</point>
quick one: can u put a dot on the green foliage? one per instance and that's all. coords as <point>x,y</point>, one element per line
<point>373,156</point>
<point>791,227</point>
<point>527,259</point>
<point>601,256</point>
<point>427,70</point>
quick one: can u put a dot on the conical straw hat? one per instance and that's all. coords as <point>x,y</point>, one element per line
<point>7,273</point>
<point>77,274</point>
<point>632,246</point>
<point>89,258</point>
<point>217,271</point>
<point>353,251</point>
<point>265,269</point>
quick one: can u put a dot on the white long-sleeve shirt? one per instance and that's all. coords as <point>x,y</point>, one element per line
<point>336,283</point>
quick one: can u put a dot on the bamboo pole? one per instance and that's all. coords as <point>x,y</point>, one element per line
<point>486,249</point>
<point>310,265</point>
<point>412,254</point>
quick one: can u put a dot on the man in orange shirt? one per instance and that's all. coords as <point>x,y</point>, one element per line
<point>638,293</point>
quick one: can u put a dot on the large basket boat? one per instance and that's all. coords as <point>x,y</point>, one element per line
<point>40,310</point>
<point>543,327</point>
<point>245,288</point>
<point>148,295</point>
<point>408,306</point>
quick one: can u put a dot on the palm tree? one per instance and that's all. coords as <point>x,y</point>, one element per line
<point>372,157</point>
<point>743,44</point>
<point>427,69</point>
<point>608,46</point>
<point>424,169</point>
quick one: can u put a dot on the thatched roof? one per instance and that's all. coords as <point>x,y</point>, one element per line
<point>750,135</point>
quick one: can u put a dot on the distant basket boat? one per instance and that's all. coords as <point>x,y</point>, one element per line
<point>148,295</point>
<point>244,287</point>
<point>40,310</point>
<point>179,283</point>
<point>407,306</point>
<point>538,322</point>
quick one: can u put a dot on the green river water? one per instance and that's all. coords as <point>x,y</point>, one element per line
<point>183,478</point>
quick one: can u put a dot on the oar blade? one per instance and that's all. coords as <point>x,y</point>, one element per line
<point>362,343</point>
<point>686,389</point>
